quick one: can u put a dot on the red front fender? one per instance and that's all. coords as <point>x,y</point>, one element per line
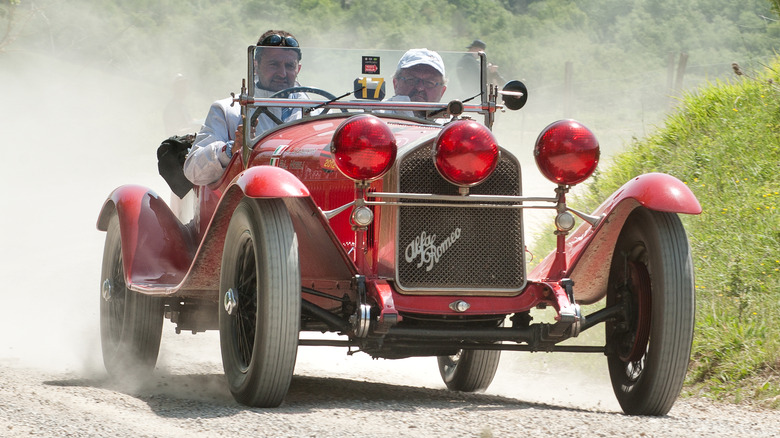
<point>255,182</point>
<point>656,191</point>
<point>162,256</point>
<point>589,249</point>
<point>156,247</point>
<point>270,182</point>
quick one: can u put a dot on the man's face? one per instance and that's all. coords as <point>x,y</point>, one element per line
<point>278,68</point>
<point>422,83</point>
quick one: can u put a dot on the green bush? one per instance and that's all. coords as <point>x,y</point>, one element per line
<point>723,141</point>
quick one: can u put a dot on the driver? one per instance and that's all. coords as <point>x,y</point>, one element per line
<point>277,64</point>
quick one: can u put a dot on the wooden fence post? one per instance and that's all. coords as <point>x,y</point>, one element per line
<point>675,87</point>
<point>568,93</point>
<point>678,83</point>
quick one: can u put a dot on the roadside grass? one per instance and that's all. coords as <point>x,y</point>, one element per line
<point>723,141</point>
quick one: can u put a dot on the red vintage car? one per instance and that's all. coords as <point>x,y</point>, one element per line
<point>403,235</point>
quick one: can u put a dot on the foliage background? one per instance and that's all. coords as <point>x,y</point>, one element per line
<point>622,50</point>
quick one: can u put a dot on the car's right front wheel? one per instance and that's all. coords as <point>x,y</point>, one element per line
<point>259,308</point>
<point>651,278</point>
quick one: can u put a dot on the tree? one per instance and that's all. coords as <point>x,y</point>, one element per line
<point>8,18</point>
<point>775,6</point>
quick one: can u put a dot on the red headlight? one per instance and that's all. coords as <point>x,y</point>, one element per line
<point>363,147</point>
<point>465,152</point>
<point>566,152</point>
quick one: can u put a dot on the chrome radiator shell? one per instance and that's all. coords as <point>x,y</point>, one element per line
<point>452,250</point>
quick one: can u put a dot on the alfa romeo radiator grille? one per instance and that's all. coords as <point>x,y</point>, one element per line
<point>456,248</point>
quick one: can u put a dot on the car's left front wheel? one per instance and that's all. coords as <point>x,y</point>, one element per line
<point>130,322</point>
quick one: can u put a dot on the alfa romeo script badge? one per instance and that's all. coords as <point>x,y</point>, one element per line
<point>424,246</point>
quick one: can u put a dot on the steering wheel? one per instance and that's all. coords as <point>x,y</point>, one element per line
<point>284,94</point>
<point>288,91</point>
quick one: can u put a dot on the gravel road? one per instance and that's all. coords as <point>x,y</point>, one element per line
<point>333,395</point>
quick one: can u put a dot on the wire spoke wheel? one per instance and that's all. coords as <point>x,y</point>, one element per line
<point>114,297</point>
<point>130,322</point>
<point>244,321</point>
<point>259,312</point>
<point>651,278</point>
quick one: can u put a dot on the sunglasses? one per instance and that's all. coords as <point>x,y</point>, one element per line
<point>278,40</point>
<point>425,83</point>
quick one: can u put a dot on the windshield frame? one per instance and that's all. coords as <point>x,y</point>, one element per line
<point>475,98</point>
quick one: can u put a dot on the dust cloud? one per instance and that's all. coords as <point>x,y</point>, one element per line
<point>72,133</point>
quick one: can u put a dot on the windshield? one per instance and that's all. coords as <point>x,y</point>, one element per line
<point>371,77</point>
<point>336,70</point>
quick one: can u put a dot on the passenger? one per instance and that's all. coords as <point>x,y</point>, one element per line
<point>419,77</point>
<point>277,65</point>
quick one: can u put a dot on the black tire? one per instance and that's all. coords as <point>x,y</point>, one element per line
<point>130,322</point>
<point>651,275</point>
<point>259,337</point>
<point>469,370</point>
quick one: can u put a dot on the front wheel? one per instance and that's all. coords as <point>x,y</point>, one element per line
<point>651,277</point>
<point>130,322</point>
<point>260,301</point>
<point>469,370</point>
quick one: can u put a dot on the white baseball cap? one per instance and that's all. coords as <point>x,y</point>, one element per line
<point>421,56</point>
